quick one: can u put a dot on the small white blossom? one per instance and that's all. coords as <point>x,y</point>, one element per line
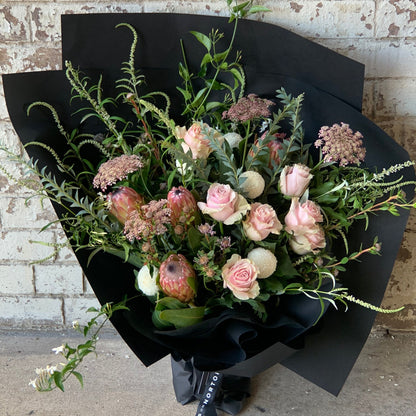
<point>183,168</point>
<point>59,350</point>
<point>147,282</point>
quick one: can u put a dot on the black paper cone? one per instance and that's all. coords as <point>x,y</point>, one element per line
<point>272,57</point>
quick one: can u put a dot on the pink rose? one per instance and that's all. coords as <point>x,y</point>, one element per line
<point>311,240</point>
<point>261,221</point>
<point>198,142</point>
<point>223,204</point>
<point>294,180</point>
<point>301,216</point>
<point>302,223</point>
<point>240,276</point>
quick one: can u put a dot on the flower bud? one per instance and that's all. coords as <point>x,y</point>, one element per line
<point>123,201</point>
<point>175,273</point>
<point>182,204</point>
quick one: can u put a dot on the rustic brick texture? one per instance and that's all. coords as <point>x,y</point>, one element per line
<point>379,33</point>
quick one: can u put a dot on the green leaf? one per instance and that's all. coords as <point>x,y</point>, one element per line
<point>273,285</point>
<point>285,267</point>
<point>194,239</point>
<point>258,9</point>
<point>57,378</point>
<point>79,377</point>
<point>204,39</point>
<point>158,322</point>
<point>181,318</point>
<point>169,303</point>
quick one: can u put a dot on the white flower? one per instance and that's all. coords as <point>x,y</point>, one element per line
<point>59,350</point>
<point>254,184</point>
<point>146,282</point>
<point>233,139</point>
<point>183,168</point>
<point>265,261</point>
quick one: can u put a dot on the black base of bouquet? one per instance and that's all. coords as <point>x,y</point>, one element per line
<point>214,390</point>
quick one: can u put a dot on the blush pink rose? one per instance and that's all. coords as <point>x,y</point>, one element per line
<point>294,180</point>
<point>311,241</point>
<point>261,221</point>
<point>198,142</point>
<point>302,223</point>
<point>240,276</point>
<point>302,216</point>
<point>223,204</point>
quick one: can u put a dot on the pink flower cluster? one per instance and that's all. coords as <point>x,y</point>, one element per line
<point>248,108</point>
<point>115,170</point>
<point>340,144</point>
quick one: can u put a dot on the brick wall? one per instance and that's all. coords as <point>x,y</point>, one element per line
<point>379,33</point>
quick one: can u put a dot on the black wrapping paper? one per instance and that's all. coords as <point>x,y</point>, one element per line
<point>273,58</point>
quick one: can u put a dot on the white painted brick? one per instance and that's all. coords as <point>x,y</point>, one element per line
<point>9,138</point>
<point>15,246</point>
<point>395,97</point>
<point>13,23</point>
<point>29,311</point>
<point>58,279</point>
<point>87,287</point>
<point>75,309</point>
<point>27,57</point>
<point>396,18</point>
<point>383,58</point>
<point>16,280</point>
<point>323,19</point>
<point>22,213</point>
<point>66,254</point>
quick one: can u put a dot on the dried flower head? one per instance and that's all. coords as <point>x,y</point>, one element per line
<point>340,144</point>
<point>115,170</point>
<point>248,108</point>
<point>149,221</point>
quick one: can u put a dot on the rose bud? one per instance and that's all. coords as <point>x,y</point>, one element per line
<point>123,201</point>
<point>174,274</point>
<point>253,186</point>
<point>294,180</point>
<point>182,205</point>
<point>198,142</point>
<point>261,221</point>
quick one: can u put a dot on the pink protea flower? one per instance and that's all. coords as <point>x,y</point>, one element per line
<point>340,144</point>
<point>182,205</point>
<point>115,170</point>
<point>175,273</point>
<point>123,201</point>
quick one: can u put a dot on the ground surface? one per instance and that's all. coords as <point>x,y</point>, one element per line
<point>382,382</point>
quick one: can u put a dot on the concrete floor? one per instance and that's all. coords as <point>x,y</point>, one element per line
<point>382,383</point>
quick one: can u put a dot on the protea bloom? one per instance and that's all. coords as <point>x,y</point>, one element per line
<point>182,204</point>
<point>123,201</point>
<point>175,273</point>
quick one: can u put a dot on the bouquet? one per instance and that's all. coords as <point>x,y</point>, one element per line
<point>227,222</point>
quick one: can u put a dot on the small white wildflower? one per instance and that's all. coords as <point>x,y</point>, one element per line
<point>265,125</point>
<point>59,350</point>
<point>254,184</point>
<point>265,261</point>
<point>183,168</point>
<point>147,282</point>
<point>75,324</point>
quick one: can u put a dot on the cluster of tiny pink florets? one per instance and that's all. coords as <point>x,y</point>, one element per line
<point>150,220</point>
<point>248,108</point>
<point>340,144</point>
<point>115,170</point>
